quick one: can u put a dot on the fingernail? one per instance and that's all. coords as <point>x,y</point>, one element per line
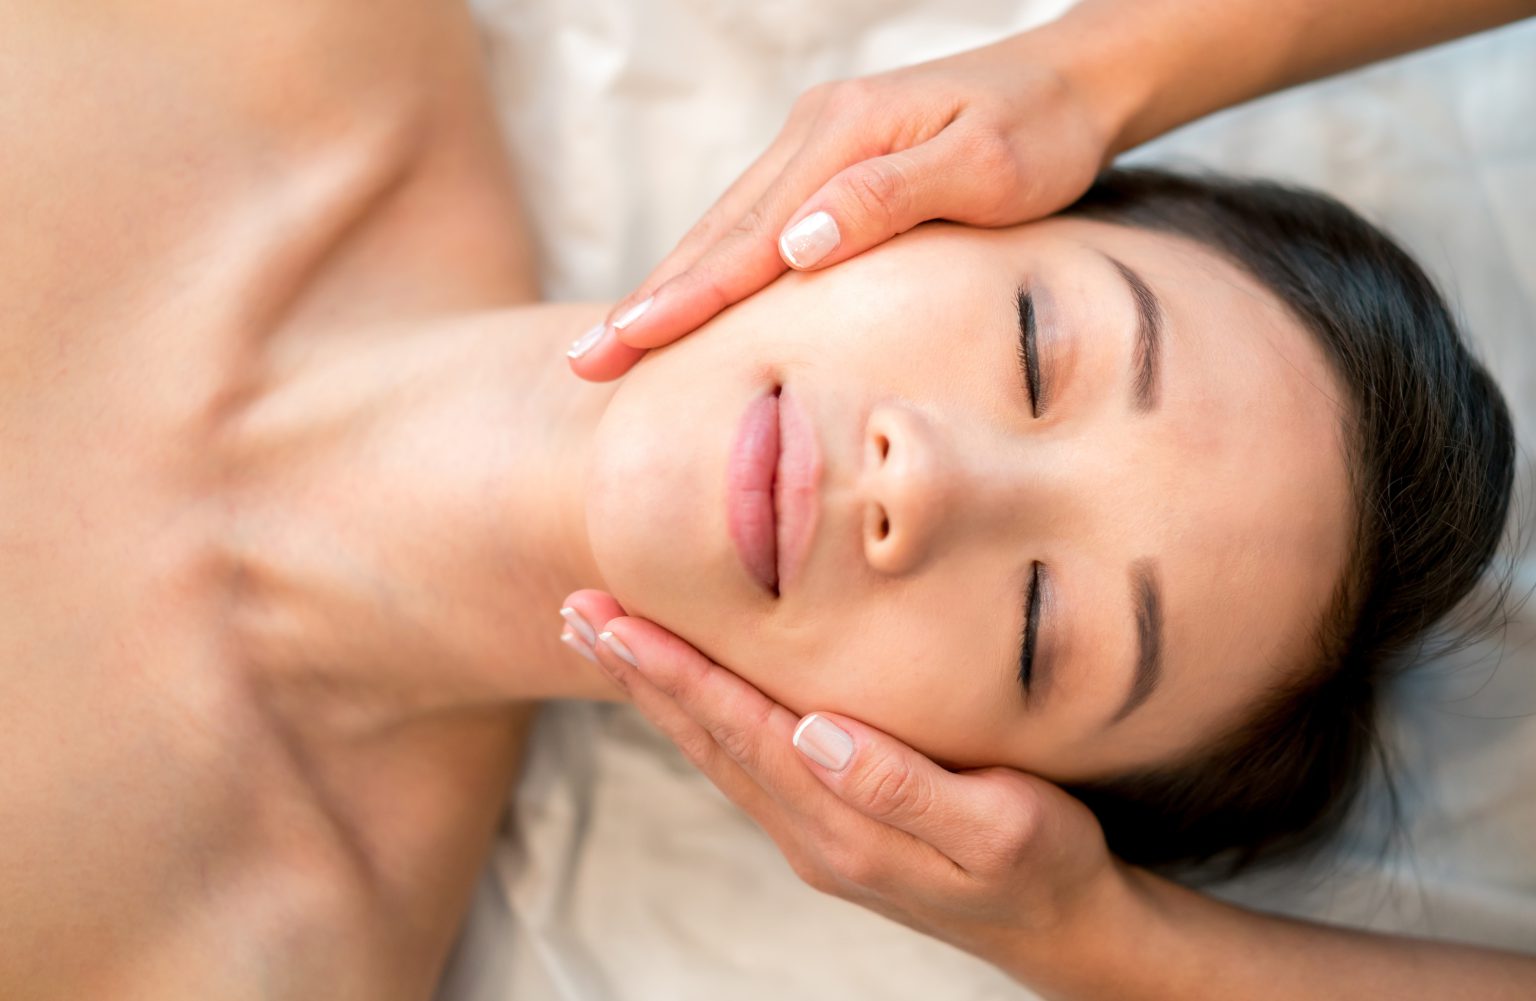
<point>633,313</point>
<point>617,646</point>
<point>587,341</point>
<point>809,240</point>
<point>581,625</point>
<point>824,742</point>
<point>570,639</point>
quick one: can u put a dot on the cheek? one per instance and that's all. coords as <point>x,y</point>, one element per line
<point>928,666</point>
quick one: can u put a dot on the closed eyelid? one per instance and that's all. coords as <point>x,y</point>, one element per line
<point>1028,347</point>
<point>1037,347</point>
<point>1035,641</point>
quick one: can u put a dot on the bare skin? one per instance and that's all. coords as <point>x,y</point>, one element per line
<point>271,614</point>
<point>244,758</point>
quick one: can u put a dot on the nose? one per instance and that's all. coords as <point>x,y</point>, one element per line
<point>905,489</point>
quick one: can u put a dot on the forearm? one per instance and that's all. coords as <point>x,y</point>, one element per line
<point>1148,66</point>
<point>1153,940</point>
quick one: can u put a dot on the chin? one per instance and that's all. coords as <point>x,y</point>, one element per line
<point>655,515</point>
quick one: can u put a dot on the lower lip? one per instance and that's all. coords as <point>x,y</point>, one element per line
<point>795,487</point>
<point>749,482</point>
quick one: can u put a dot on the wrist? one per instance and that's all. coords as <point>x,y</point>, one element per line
<point>1086,955</point>
<point>1111,80</point>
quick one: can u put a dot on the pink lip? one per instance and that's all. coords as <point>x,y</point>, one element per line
<point>749,477</point>
<point>794,490</point>
<point>772,478</point>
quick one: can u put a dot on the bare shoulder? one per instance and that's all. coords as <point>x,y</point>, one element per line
<point>292,65</point>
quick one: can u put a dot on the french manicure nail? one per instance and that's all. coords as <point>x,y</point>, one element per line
<point>587,341</point>
<point>580,624</point>
<point>809,240</point>
<point>617,646</point>
<point>824,742</point>
<point>569,639</point>
<point>633,313</point>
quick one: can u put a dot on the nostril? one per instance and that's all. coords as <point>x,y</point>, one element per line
<point>883,445</point>
<point>883,529</point>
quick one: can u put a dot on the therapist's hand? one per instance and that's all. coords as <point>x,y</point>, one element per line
<point>989,137</point>
<point>989,860</point>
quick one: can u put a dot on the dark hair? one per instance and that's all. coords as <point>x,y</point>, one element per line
<point>1431,454</point>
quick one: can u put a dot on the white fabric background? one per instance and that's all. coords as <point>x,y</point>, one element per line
<point>624,876</point>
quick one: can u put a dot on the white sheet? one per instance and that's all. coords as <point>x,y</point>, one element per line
<point>624,876</point>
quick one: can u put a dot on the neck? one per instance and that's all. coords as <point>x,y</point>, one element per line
<point>408,514</point>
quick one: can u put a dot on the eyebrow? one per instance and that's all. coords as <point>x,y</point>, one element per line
<point>1148,600</point>
<point>1146,361</point>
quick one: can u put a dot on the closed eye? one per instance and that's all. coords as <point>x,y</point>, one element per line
<point>1031,628</point>
<point>1029,360</point>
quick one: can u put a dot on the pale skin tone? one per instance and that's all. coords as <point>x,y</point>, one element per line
<point>290,491</point>
<point>267,641</point>
<point>999,135</point>
<point>941,486</point>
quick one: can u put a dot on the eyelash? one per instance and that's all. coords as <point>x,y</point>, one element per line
<point>1028,352</point>
<point>1031,625</point>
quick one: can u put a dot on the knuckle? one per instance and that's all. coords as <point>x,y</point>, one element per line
<point>752,225</point>
<point>991,151</point>
<point>710,223</point>
<point>996,853</point>
<point>735,740</point>
<point>853,865</point>
<point>699,749</point>
<point>1016,827</point>
<point>893,789</point>
<point>812,99</point>
<point>670,682</point>
<point>850,97</point>
<point>739,737</point>
<point>711,285</point>
<point>817,878</point>
<point>991,156</point>
<point>879,189</point>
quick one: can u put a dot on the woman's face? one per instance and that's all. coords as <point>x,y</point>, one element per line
<point>1174,495</point>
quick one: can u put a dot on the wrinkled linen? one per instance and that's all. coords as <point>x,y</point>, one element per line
<point>622,874</point>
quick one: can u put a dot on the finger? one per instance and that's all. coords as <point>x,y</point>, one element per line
<point>588,612</point>
<point>599,356</point>
<point>741,261</point>
<point>964,816</point>
<point>738,199</point>
<point>785,826</point>
<point>956,175</point>
<point>752,729</point>
<point>747,752</point>
<point>727,211</point>
<point>971,818</point>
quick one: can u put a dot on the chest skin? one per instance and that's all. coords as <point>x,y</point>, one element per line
<point>193,192</point>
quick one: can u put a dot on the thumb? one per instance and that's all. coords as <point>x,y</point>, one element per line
<point>866,204</point>
<point>888,781</point>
